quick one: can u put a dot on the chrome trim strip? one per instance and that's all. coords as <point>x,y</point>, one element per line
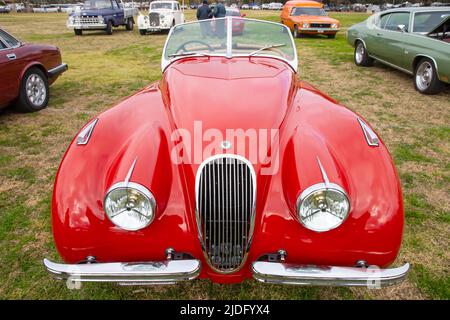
<point>152,272</point>
<point>286,273</point>
<point>220,176</point>
<point>365,127</point>
<point>391,65</point>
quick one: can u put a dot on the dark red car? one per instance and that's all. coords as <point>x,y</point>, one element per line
<point>26,71</point>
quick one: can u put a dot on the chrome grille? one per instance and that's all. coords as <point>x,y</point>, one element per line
<point>225,201</point>
<point>86,20</point>
<point>320,25</point>
<point>154,19</point>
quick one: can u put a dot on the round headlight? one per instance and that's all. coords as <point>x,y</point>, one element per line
<point>305,25</point>
<point>129,206</point>
<point>323,207</point>
<point>334,25</point>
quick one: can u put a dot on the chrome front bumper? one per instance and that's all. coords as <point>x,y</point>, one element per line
<point>155,272</point>
<point>318,30</point>
<point>57,70</point>
<point>284,273</point>
<point>88,26</point>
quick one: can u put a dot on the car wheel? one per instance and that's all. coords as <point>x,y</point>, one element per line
<point>109,28</point>
<point>142,32</point>
<point>34,93</point>
<point>130,24</point>
<point>296,34</point>
<point>361,56</point>
<point>332,36</point>
<point>425,77</point>
<point>78,32</point>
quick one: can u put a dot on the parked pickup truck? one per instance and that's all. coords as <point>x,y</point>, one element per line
<point>101,15</point>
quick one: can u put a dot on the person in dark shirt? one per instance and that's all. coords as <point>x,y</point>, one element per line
<point>204,12</point>
<point>220,12</point>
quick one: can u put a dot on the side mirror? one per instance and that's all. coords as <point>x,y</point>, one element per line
<point>243,15</point>
<point>401,28</point>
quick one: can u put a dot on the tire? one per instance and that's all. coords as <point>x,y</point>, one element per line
<point>130,24</point>
<point>332,36</point>
<point>78,32</point>
<point>34,92</point>
<point>109,28</point>
<point>295,33</point>
<point>361,56</point>
<point>425,77</point>
<point>142,32</point>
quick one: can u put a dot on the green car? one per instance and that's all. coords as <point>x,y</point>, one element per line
<point>413,40</point>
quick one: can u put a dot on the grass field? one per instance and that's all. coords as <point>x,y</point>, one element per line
<point>104,69</point>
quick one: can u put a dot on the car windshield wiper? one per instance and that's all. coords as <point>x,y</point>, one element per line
<point>187,53</point>
<point>267,47</point>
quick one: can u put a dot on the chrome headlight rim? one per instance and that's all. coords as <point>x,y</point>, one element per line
<point>317,188</point>
<point>141,189</point>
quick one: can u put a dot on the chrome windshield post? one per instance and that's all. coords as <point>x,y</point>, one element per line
<point>229,36</point>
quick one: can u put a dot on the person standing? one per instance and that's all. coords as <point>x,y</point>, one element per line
<point>204,12</point>
<point>220,12</point>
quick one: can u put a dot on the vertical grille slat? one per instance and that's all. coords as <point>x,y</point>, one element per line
<point>225,198</point>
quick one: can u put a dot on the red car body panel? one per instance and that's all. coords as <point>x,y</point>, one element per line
<point>311,126</point>
<point>45,57</point>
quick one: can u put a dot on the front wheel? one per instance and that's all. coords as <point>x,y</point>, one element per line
<point>109,28</point>
<point>425,77</point>
<point>296,33</point>
<point>78,32</point>
<point>361,56</point>
<point>130,24</point>
<point>34,93</point>
<point>142,32</point>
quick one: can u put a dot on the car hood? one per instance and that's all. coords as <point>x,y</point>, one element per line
<point>197,93</point>
<point>321,19</point>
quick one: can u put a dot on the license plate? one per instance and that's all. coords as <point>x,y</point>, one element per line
<point>319,31</point>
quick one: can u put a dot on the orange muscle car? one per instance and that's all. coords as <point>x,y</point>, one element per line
<point>308,17</point>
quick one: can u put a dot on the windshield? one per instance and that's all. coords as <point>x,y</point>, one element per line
<point>302,11</point>
<point>230,37</point>
<point>161,5</point>
<point>97,4</point>
<point>427,21</point>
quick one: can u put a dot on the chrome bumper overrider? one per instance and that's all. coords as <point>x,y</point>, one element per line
<point>155,272</point>
<point>58,70</point>
<point>284,273</point>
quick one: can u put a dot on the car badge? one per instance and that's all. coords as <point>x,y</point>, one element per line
<point>225,144</point>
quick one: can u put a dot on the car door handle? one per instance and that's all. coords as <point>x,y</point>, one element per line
<point>11,56</point>
<point>379,34</point>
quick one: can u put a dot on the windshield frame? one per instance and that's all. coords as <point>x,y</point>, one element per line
<point>292,63</point>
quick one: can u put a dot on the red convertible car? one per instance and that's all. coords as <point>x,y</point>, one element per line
<point>193,177</point>
<point>26,72</point>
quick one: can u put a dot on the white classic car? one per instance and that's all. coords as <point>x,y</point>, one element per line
<point>162,15</point>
